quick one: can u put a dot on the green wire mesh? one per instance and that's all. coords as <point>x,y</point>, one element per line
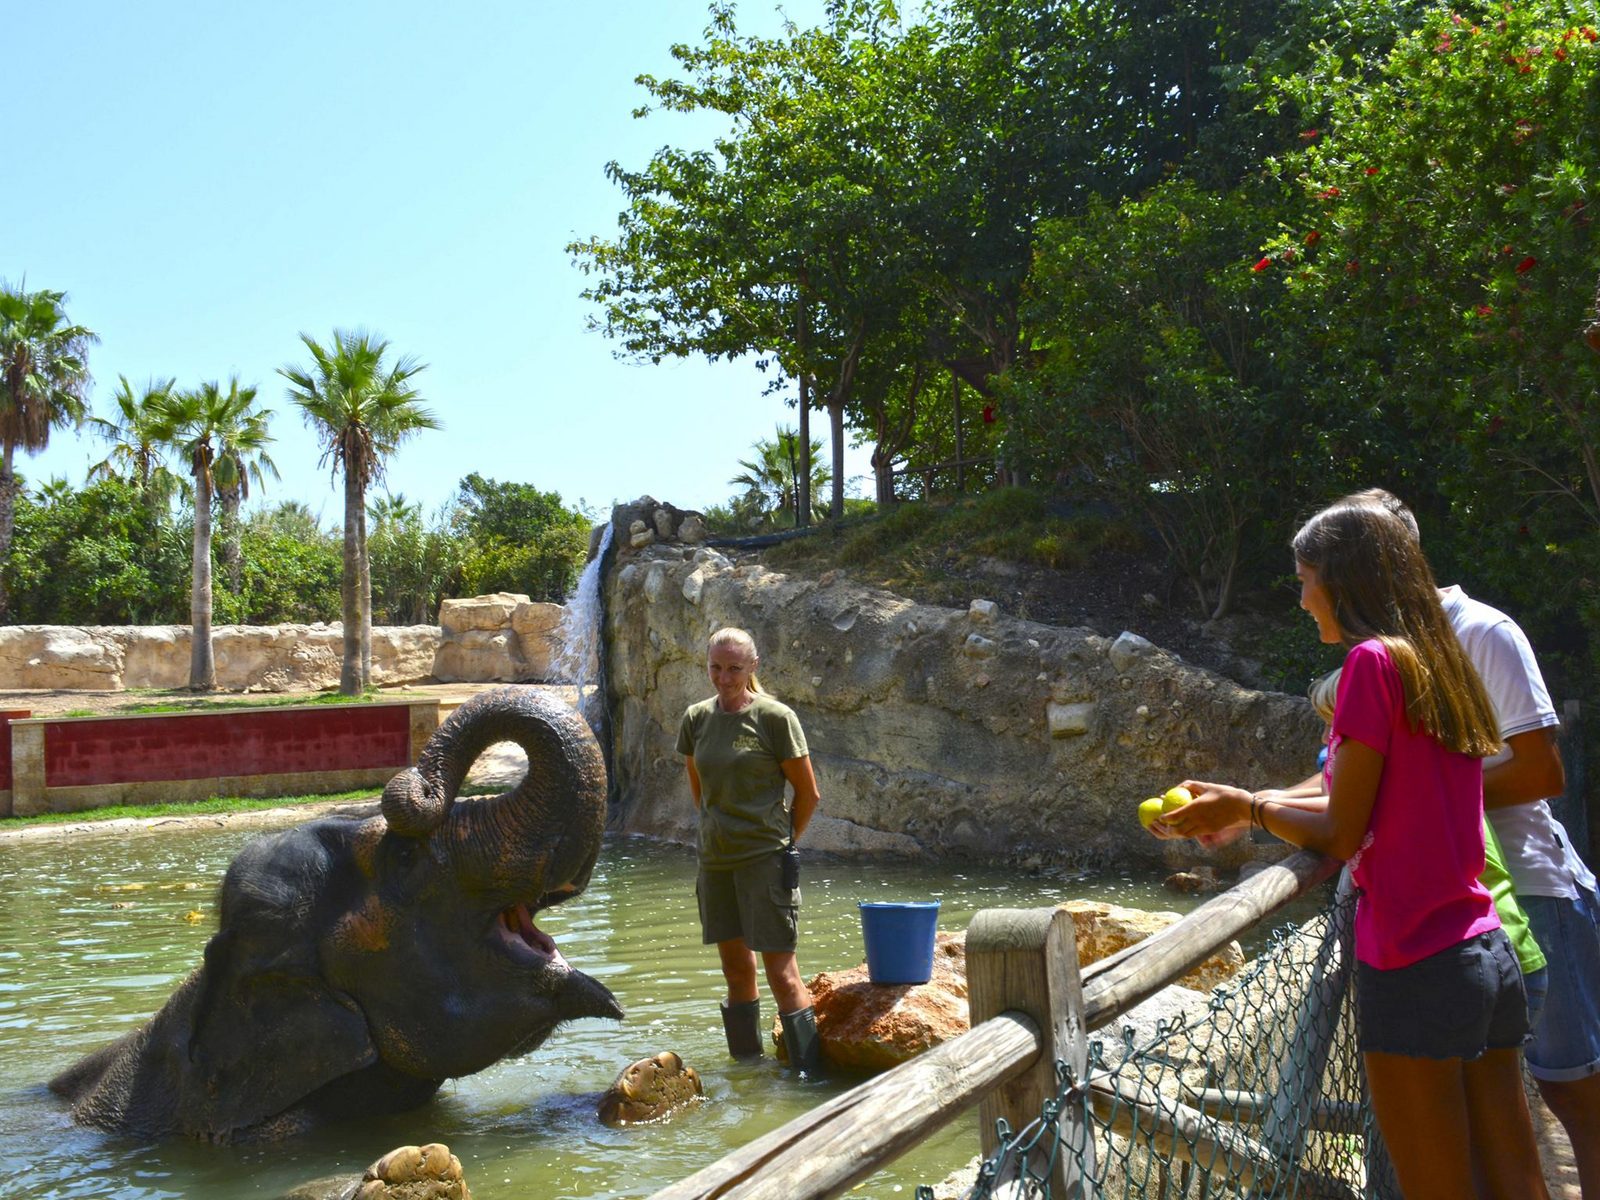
<point>1257,1093</point>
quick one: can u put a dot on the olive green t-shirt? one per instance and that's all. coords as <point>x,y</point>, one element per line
<point>743,811</point>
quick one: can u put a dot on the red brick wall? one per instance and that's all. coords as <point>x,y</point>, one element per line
<point>207,745</point>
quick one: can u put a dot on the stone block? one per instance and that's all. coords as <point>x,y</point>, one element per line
<point>480,656</point>
<point>1068,720</point>
<point>1103,929</point>
<point>984,611</point>
<point>492,611</point>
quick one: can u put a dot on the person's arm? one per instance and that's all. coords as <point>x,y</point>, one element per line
<point>1307,793</point>
<point>1533,772</point>
<point>694,779</point>
<point>806,797</point>
<point>1334,827</point>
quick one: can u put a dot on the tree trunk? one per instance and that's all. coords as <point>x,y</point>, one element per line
<point>802,479</point>
<point>350,587</point>
<point>8,522</point>
<point>836,432</point>
<point>961,454</point>
<point>364,595</point>
<point>202,667</point>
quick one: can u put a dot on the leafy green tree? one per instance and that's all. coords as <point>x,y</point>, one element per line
<point>770,480</point>
<point>520,539</point>
<point>222,436</point>
<point>362,409</point>
<point>94,557</point>
<point>415,564</point>
<point>137,454</point>
<point>44,380</point>
<point>290,572</point>
<point>1164,384</point>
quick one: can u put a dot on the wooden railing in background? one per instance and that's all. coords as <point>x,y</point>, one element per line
<point>1030,1007</point>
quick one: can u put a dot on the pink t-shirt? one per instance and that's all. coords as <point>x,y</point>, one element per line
<point>1419,863</point>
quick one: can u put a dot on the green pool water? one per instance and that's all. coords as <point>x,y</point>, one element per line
<point>95,931</point>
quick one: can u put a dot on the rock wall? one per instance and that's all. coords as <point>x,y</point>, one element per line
<point>935,732</point>
<point>497,638</point>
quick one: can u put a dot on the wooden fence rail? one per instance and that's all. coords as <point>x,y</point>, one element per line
<point>1030,1007</point>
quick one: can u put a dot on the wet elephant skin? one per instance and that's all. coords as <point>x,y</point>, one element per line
<point>359,963</point>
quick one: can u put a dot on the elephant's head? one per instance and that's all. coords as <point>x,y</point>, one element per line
<point>359,963</point>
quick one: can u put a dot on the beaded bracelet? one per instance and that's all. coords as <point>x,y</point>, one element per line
<point>1255,812</point>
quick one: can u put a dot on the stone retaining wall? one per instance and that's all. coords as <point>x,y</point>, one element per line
<point>935,731</point>
<point>501,638</point>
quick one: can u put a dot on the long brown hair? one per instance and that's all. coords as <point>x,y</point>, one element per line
<point>1380,586</point>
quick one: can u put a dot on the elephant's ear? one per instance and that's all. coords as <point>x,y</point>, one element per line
<point>267,1031</point>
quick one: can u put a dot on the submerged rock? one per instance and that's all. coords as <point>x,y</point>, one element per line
<point>428,1172</point>
<point>649,1090</point>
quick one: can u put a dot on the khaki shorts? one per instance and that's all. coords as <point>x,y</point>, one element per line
<point>749,901</point>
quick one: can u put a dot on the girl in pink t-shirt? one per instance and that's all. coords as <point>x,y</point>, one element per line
<point>1440,1003</point>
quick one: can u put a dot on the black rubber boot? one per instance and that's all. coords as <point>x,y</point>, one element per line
<point>801,1043</point>
<point>742,1024</point>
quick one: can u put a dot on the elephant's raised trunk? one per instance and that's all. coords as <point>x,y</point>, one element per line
<point>546,829</point>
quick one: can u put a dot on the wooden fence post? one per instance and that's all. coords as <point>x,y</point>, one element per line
<point>1026,960</point>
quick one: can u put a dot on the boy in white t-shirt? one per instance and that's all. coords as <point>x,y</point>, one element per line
<point>1554,887</point>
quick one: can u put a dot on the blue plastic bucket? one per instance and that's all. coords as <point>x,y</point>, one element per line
<point>899,940</point>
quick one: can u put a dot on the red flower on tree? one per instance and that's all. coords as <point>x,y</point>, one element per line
<point>1331,193</point>
<point>1486,310</point>
<point>1310,135</point>
<point>1262,264</point>
<point>1527,265</point>
<point>1353,266</point>
<point>1372,170</point>
<point>1313,237</point>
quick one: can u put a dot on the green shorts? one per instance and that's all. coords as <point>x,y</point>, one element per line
<point>749,901</point>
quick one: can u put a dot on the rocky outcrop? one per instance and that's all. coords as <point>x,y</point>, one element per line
<point>936,731</point>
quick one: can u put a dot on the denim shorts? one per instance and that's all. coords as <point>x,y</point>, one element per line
<point>1458,1003</point>
<point>749,901</point>
<point>1566,1041</point>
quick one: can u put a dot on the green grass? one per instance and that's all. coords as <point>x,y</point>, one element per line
<point>200,808</point>
<point>181,702</point>
<point>211,807</point>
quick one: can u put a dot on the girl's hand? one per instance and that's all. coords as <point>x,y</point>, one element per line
<point>1215,808</point>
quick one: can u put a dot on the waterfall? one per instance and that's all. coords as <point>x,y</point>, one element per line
<point>579,660</point>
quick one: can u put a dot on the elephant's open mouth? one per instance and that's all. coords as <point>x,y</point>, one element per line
<point>524,940</point>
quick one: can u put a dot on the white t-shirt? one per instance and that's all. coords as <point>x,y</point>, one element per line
<point>1538,852</point>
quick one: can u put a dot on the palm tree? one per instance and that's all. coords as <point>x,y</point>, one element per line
<point>222,437</point>
<point>362,410</point>
<point>44,377</point>
<point>769,479</point>
<point>137,454</point>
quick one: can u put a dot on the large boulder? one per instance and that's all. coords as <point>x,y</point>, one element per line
<point>872,1027</point>
<point>470,613</point>
<point>480,655</point>
<point>1104,929</point>
<point>537,625</point>
<point>956,732</point>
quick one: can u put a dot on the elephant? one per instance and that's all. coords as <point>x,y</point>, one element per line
<point>359,962</point>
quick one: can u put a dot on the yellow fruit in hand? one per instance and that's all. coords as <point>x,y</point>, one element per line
<point>1175,797</point>
<point>1149,811</point>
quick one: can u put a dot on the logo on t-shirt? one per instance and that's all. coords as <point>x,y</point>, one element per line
<point>747,743</point>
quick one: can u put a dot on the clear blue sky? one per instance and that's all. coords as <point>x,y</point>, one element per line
<point>206,181</point>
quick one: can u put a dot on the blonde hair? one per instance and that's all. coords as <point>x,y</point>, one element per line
<point>739,639</point>
<point>1323,693</point>
<point>1368,558</point>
